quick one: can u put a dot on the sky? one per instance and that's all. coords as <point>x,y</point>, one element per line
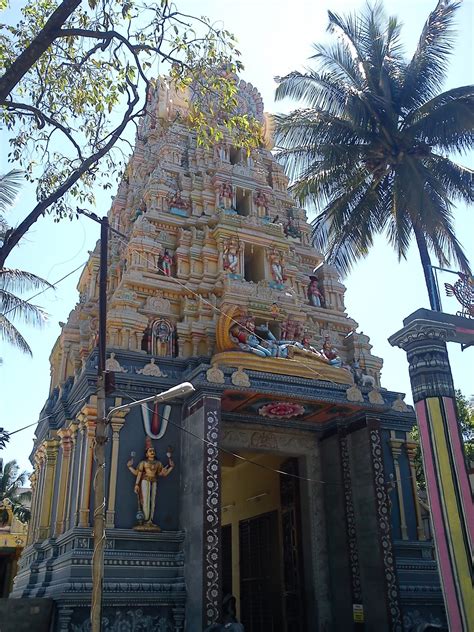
<point>275,37</point>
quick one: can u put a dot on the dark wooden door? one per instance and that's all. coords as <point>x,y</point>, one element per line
<point>260,581</point>
<point>293,582</point>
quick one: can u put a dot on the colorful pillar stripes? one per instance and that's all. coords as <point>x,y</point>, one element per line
<point>447,483</point>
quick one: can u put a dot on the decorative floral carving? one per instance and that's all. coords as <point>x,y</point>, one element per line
<point>240,378</point>
<point>383,514</point>
<point>212,513</point>
<point>158,304</point>
<point>353,394</point>
<point>350,520</point>
<point>129,621</point>
<point>152,369</point>
<point>215,375</point>
<point>281,410</point>
<point>264,440</point>
<point>399,405</point>
<point>111,364</point>
<point>375,397</point>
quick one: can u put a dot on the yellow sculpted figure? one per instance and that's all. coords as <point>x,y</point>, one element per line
<point>147,473</point>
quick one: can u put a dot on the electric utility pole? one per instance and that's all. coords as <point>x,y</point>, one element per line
<point>100,440</point>
<point>100,433</point>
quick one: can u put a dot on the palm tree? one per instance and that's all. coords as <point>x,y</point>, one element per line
<point>370,149</point>
<point>16,281</point>
<point>12,483</point>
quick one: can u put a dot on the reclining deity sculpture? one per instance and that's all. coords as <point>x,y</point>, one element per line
<point>262,342</point>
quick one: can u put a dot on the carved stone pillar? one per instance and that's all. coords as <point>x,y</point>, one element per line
<point>33,483</point>
<point>51,455</point>
<point>36,506</point>
<point>66,446</point>
<point>69,500</point>
<point>411,448</point>
<point>88,422</point>
<point>396,445</point>
<point>117,424</point>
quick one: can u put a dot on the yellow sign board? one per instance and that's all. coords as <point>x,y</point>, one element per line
<point>358,612</point>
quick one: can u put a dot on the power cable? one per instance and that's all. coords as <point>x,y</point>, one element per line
<point>51,287</point>
<point>217,309</point>
<point>390,483</point>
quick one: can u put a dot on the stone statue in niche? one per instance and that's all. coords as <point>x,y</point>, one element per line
<point>291,330</point>
<point>146,475</point>
<point>230,260</point>
<point>226,196</point>
<point>165,263</point>
<point>175,201</point>
<point>261,202</point>
<point>160,339</point>
<point>277,263</point>
<point>315,296</point>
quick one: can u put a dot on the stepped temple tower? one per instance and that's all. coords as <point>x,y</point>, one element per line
<point>286,479</point>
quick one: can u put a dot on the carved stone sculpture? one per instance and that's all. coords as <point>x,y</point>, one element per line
<point>146,475</point>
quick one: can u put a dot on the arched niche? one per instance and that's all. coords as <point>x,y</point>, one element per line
<point>159,338</point>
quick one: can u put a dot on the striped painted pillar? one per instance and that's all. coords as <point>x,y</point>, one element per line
<point>447,483</point>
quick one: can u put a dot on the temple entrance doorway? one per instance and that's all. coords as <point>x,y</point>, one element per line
<point>261,540</point>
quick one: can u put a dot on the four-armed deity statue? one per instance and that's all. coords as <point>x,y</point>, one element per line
<point>146,475</point>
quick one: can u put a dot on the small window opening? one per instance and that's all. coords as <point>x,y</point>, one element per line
<point>254,263</point>
<point>243,201</point>
<point>235,155</point>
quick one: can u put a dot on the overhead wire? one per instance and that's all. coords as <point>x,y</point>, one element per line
<point>221,312</point>
<point>391,483</point>
<point>35,423</point>
<point>51,287</point>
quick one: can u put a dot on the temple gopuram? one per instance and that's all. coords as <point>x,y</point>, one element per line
<point>287,479</point>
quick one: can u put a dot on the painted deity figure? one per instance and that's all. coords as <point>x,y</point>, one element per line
<point>165,263</point>
<point>277,348</point>
<point>291,228</point>
<point>291,330</point>
<point>277,263</point>
<point>231,256</point>
<point>226,196</point>
<point>261,203</point>
<point>146,475</point>
<point>315,296</point>
<point>176,201</point>
<point>139,211</point>
<point>306,349</point>
<point>243,334</point>
<point>330,353</point>
<point>162,338</point>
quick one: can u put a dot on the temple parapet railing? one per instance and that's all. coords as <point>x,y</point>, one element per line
<point>248,289</point>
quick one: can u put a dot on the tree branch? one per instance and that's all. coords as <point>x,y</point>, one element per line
<point>15,236</point>
<point>42,118</point>
<point>26,60</point>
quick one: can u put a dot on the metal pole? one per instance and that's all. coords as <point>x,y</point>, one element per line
<point>100,441</point>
